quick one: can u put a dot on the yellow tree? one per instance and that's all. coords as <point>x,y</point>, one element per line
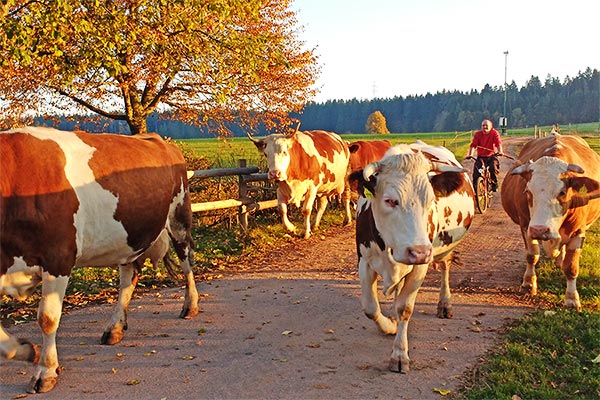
<point>376,123</point>
<point>204,61</point>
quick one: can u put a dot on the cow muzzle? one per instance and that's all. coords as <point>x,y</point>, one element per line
<point>540,232</point>
<point>276,174</point>
<point>420,254</point>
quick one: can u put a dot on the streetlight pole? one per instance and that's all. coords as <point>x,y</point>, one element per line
<point>504,120</point>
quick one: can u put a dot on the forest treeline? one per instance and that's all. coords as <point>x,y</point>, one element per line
<point>572,100</point>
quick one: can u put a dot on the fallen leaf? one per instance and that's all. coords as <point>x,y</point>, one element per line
<point>20,396</point>
<point>286,333</point>
<point>133,382</point>
<point>596,360</point>
<point>113,370</point>
<point>188,357</point>
<point>443,392</point>
<point>549,313</point>
<point>475,329</point>
<point>330,331</point>
<point>313,345</point>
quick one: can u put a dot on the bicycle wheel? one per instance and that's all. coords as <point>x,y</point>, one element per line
<point>481,194</point>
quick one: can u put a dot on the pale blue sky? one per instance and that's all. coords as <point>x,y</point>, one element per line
<point>393,48</point>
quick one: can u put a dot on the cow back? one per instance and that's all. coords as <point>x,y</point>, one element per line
<point>73,198</point>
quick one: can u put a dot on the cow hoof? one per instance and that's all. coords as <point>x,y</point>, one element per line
<point>42,385</point>
<point>112,337</point>
<point>189,313</point>
<point>573,304</point>
<point>528,289</point>
<point>444,311</point>
<point>398,366</point>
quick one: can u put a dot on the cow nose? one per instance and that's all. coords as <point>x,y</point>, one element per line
<point>418,254</point>
<point>275,174</point>
<point>539,232</point>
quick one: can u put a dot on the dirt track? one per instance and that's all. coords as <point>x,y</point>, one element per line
<point>289,327</point>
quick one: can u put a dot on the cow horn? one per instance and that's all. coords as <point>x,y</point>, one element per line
<point>289,135</point>
<point>575,168</point>
<point>370,170</point>
<point>252,138</point>
<point>521,169</point>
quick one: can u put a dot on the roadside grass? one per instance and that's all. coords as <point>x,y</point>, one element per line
<point>551,353</point>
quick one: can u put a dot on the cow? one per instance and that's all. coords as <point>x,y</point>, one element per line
<point>307,165</point>
<point>364,152</point>
<point>73,199</point>
<point>414,207</point>
<point>552,194</point>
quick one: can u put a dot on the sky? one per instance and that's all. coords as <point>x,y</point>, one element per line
<point>386,48</point>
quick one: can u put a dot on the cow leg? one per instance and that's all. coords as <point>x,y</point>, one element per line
<point>128,277</point>
<point>49,312</point>
<point>404,306</point>
<point>346,199</point>
<point>12,348</point>
<point>444,307</point>
<point>282,207</point>
<point>570,267</point>
<point>320,210</point>
<point>532,257</point>
<point>309,201</point>
<point>190,305</point>
<point>370,304</point>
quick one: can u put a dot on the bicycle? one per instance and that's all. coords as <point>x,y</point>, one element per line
<point>483,185</point>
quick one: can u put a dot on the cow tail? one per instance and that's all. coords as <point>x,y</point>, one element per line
<point>171,265</point>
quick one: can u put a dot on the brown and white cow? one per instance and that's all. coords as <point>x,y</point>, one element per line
<point>415,205</point>
<point>550,194</point>
<point>307,166</point>
<point>364,152</point>
<point>78,199</point>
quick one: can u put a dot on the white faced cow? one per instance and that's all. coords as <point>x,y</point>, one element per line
<point>550,193</point>
<point>77,199</point>
<point>415,205</point>
<point>306,165</point>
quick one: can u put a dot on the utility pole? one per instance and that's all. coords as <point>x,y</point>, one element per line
<point>504,118</point>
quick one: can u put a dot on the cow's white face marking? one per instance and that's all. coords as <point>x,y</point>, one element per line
<point>98,235</point>
<point>402,202</point>
<point>543,191</point>
<point>277,152</point>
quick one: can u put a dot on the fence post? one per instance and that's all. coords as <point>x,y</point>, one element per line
<point>242,194</point>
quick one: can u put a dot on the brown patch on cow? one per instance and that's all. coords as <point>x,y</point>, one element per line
<point>406,313</point>
<point>445,238</point>
<point>447,182</point>
<point>326,144</point>
<point>302,166</point>
<point>459,218</point>
<point>155,160</point>
<point>27,199</point>
<point>47,324</point>
<point>364,152</point>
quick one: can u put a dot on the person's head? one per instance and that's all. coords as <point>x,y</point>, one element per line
<point>486,125</point>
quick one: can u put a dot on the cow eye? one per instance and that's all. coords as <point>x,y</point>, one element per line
<point>392,202</point>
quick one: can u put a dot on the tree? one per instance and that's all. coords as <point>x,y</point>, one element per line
<point>211,62</point>
<point>376,123</point>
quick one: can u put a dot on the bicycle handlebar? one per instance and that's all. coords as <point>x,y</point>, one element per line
<point>495,154</point>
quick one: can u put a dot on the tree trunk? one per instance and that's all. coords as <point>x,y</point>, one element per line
<point>137,125</point>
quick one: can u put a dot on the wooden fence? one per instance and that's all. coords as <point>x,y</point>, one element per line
<point>245,201</point>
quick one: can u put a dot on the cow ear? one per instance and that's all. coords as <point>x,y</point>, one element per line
<point>445,183</point>
<point>353,148</point>
<point>582,184</point>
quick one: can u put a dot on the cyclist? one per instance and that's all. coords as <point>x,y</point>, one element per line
<point>488,145</point>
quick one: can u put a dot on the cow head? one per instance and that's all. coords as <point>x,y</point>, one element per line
<point>402,198</point>
<point>276,149</point>
<point>553,189</point>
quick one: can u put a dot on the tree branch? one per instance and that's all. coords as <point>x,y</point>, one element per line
<point>90,106</point>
